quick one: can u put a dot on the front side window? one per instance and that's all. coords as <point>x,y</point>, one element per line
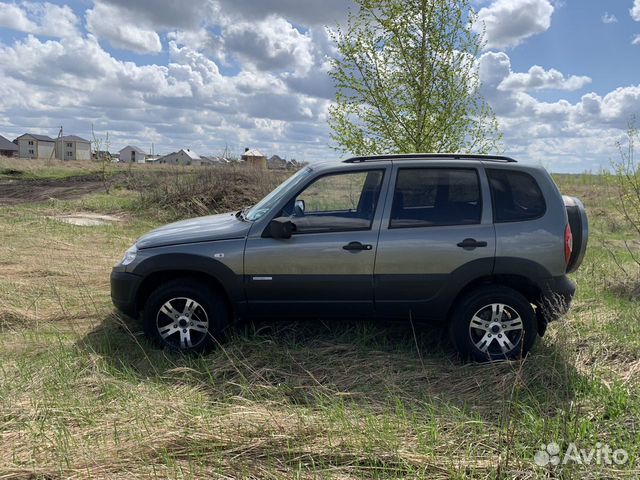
<point>267,203</point>
<point>429,197</point>
<point>516,196</point>
<point>336,202</point>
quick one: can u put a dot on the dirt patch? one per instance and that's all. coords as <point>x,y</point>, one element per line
<point>86,219</point>
<point>16,191</point>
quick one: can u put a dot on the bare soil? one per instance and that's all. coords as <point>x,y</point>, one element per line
<point>17,191</point>
<point>86,219</point>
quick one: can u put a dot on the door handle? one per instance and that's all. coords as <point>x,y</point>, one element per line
<point>471,243</point>
<point>357,246</point>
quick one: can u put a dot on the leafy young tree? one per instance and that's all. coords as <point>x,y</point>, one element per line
<point>407,80</point>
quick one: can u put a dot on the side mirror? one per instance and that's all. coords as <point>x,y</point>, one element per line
<point>299,205</point>
<point>281,227</point>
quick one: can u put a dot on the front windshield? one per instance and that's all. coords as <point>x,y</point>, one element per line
<point>267,203</point>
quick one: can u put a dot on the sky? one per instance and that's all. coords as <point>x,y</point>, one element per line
<point>563,76</point>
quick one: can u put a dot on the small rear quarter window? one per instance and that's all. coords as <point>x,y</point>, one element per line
<point>516,196</point>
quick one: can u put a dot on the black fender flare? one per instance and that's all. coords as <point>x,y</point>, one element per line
<point>167,262</point>
<point>475,272</point>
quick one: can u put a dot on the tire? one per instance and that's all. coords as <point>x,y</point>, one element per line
<point>493,323</point>
<point>185,315</point>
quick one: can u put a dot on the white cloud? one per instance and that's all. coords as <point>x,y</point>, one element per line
<point>508,23</point>
<point>189,102</point>
<point>635,11</point>
<point>636,40</point>
<point>537,78</point>
<point>39,18</point>
<point>244,73</point>
<point>15,18</point>
<point>562,135</point>
<point>115,25</point>
<point>269,44</point>
<point>609,18</point>
<point>314,13</point>
<point>166,13</point>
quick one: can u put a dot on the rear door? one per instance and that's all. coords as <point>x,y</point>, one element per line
<point>326,267</point>
<point>436,236</point>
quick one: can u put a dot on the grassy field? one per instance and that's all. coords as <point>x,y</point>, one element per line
<point>83,395</point>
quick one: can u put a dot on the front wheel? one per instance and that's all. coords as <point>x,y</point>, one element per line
<point>185,315</point>
<point>493,323</point>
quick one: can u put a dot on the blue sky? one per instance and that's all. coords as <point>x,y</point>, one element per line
<point>579,42</point>
<point>563,76</point>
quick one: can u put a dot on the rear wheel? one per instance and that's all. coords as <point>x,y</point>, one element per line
<point>493,323</point>
<point>186,316</point>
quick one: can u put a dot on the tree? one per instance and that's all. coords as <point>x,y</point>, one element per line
<point>406,77</point>
<point>627,180</point>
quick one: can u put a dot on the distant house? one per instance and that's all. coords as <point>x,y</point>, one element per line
<point>131,154</point>
<point>276,163</point>
<point>8,148</point>
<point>254,158</point>
<point>35,146</point>
<point>293,164</point>
<point>181,157</point>
<point>72,147</point>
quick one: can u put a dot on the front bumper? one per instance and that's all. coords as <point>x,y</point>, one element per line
<point>124,288</point>
<point>556,296</point>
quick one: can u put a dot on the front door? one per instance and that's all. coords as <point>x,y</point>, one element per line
<point>326,267</point>
<point>438,236</point>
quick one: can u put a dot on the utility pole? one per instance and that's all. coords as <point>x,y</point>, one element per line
<point>55,145</point>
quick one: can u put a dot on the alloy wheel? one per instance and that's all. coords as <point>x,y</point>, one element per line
<point>182,323</point>
<point>496,329</point>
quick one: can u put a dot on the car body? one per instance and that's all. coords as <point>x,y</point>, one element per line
<point>406,236</point>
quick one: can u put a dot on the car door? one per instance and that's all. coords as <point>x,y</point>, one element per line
<point>437,235</point>
<point>326,267</point>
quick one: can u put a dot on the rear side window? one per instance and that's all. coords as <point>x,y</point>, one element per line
<point>516,196</point>
<point>426,197</point>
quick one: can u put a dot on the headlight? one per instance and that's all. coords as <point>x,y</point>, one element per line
<point>129,255</point>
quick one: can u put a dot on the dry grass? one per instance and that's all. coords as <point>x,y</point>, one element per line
<point>82,394</point>
<point>201,191</point>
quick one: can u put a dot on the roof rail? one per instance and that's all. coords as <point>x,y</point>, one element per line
<point>431,156</point>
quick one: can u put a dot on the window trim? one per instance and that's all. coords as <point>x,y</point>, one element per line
<point>393,197</point>
<point>493,200</point>
<point>328,174</point>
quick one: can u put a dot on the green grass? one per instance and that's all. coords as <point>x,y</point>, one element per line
<point>82,393</point>
<point>11,169</point>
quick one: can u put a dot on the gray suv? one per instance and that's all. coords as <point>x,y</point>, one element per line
<point>481,243</point>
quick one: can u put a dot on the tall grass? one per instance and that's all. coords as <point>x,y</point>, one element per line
<point>83,395</point>
<point>203,190</point>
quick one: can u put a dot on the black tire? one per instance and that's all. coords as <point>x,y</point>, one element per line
<point>192,304</point>
<point>478,319</point>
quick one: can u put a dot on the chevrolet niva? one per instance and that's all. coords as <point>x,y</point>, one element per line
<point>481,243</point>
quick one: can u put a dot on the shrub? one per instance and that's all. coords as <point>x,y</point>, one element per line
<point>186,192</point>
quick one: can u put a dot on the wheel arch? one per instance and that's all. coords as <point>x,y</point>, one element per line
<point>162,268</point>
<point>520,283</point>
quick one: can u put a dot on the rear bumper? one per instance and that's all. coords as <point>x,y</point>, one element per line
<point>556,297</point>
<point>124,287</point>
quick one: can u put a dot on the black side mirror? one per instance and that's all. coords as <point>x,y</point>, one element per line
<point>281,227</point>
<point>299,205</point>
